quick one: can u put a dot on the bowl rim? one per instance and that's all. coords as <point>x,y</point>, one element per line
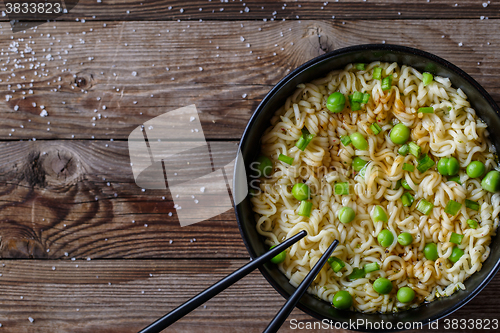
<point>297,71</point>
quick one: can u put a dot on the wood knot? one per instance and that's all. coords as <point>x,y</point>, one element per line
<point>84,80</point>
<point>51,166</point>
<point>316,41</point>
<point>81,82</point>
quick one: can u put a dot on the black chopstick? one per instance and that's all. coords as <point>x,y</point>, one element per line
<point>281,316</point>
<point>210,292</point>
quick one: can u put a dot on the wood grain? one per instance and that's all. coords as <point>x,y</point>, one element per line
<point>78,199</point>
<point>114,78</point>
<point>124,296</point>
<point>158,10</point>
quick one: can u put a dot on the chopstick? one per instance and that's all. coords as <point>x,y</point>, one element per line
<point>210,292</point>
<point>281,316</point>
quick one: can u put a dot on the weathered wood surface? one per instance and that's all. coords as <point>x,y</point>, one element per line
<point>124,296</point>
<point>125,10</point>
<point>78,199</point>
<point>118,78</point>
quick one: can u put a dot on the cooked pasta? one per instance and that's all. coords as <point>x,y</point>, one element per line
<point>451,130</point>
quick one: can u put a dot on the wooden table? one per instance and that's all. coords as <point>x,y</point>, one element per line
<point>83,248</point>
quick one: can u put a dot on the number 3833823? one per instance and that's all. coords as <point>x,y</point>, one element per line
<point>33,7</point>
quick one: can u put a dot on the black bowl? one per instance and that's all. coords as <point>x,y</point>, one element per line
<point>480,100</point>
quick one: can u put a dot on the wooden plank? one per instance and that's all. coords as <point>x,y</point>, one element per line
<point>124,296</point>
<point>122,68</point>
<point>291,10</point>
<point>78,199</point>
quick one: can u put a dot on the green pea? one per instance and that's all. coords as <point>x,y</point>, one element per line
<point>385,238</point>
<point>301,191</point>
<point>335,102</point>
<point>456,254</point>
<point>475,169</point>
<point>382,285</point>
<point>400,134</point>
<point>431,251</point>
<point>359,141</point>
<point>342,300</point>
<point>491,182</point>
<point>358,163</point>
<point>405,238</point>
<point>453,166</point>
<point>448,166</point>
<point>346,214</point>
<point>405,295</point>
<point>264,166</point>
<point>443,166</point>
<point>279,258</point>
<point>379,214</point>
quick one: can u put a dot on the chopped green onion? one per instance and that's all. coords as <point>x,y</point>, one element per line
<point>428,109</point>
<point>425,163</point>
<point>452,207</point>
<point>404,150</point>
<point>398,185</point>
<point>346,140</point>
<point>456,238</point>
<point>414,149</point>
<point>305,208</point>
<point>472,223</point>
<point>471,204</point>
<point>407,199</point>
<point>427,78</point>
<point>371,267</point>
<point>425,207</point>
<point>336,264</point>
<point>408,167</point>
<point>375,128</point>
<point>357,96</point>
<point>387,83</point>
<point>406,185</point>
<point>355,106</point>
<point>377,73</point>
<point>286,159</point>
<point>366,98</point>
<point>357,273</point>
<point>360,66</point>
<point>341,188</point>
<point>455,179</point>
<point>304,139</point>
